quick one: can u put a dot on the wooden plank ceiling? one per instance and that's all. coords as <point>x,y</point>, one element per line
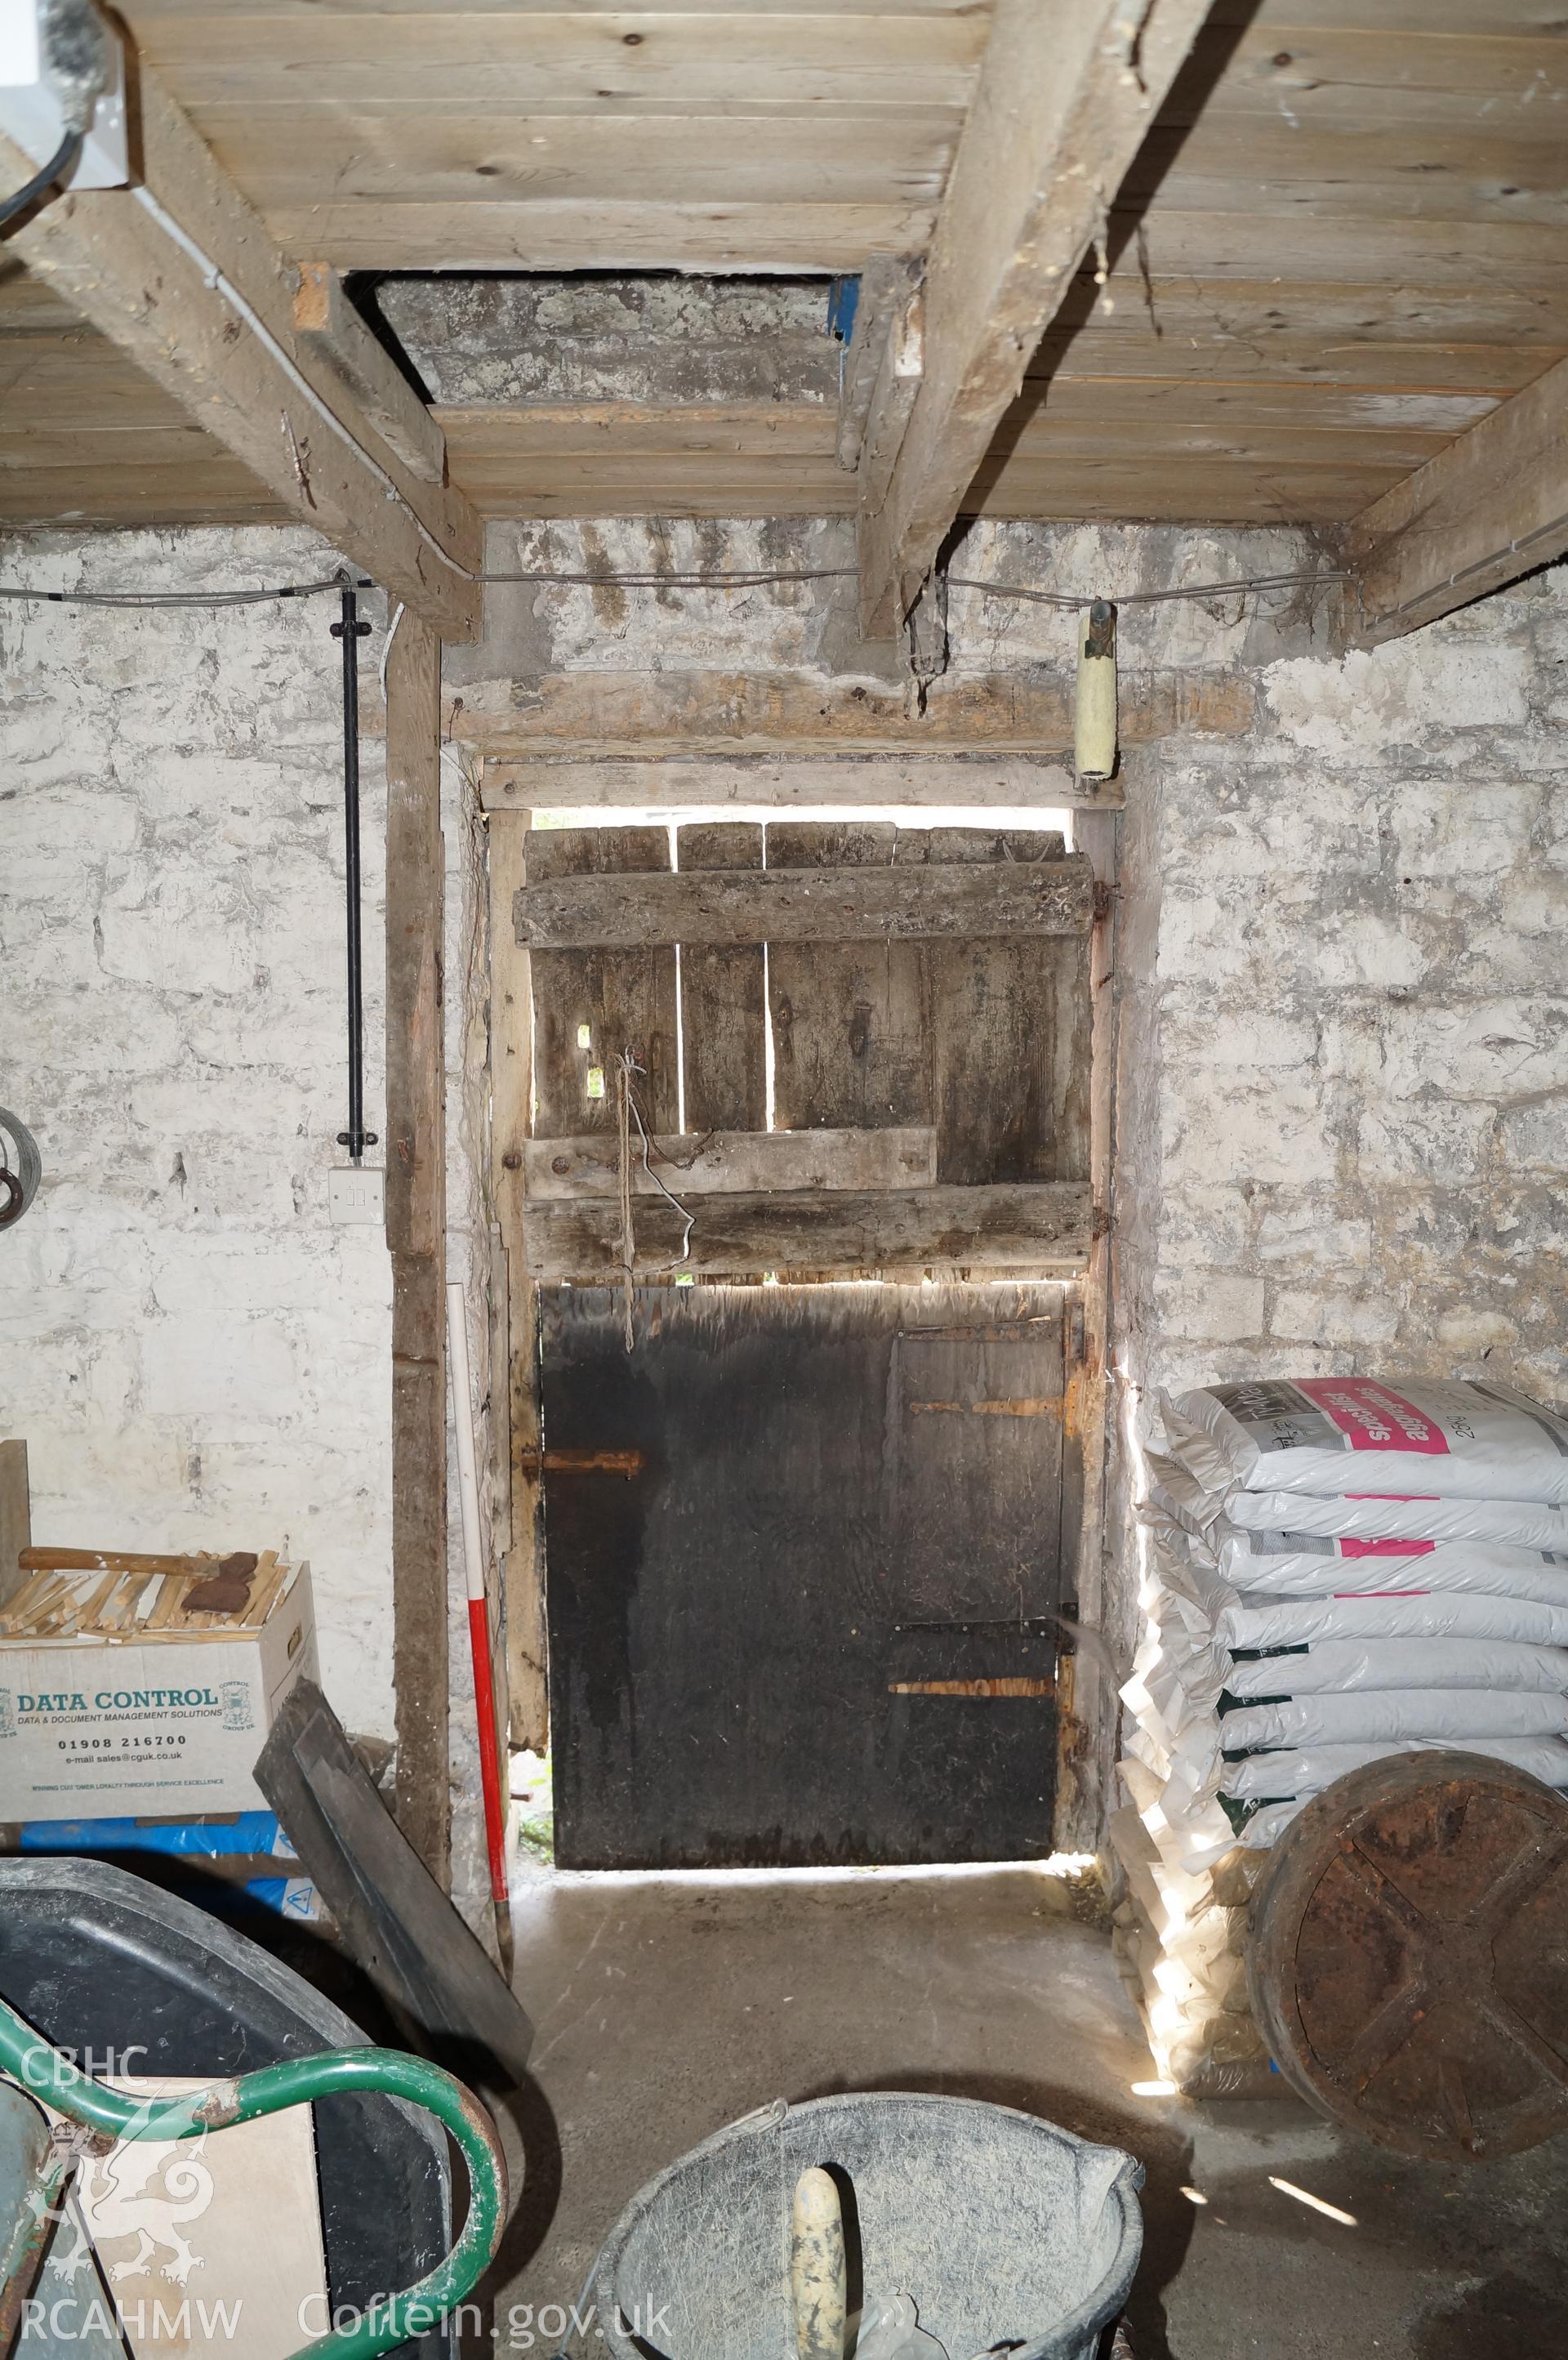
<point>1344,241</point>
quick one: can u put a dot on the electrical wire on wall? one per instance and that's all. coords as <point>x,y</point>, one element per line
<point>1068,601</point>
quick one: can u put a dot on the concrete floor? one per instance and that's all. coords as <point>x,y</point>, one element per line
<point>667,2008</point>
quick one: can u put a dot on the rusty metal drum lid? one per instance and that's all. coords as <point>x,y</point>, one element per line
<point>1409,1956</point>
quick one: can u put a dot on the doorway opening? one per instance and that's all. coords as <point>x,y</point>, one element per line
<point>797,1246</point>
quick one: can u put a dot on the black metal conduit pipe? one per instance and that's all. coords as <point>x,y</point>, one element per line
<point>351,631</point>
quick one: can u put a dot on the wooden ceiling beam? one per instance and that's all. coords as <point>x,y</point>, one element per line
<point>1067,91</point>
<point>184,278</point>
<point>332,331</point>
<point>1489,507</point>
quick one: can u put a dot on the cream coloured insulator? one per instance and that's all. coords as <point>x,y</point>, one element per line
<point>1095,722</point>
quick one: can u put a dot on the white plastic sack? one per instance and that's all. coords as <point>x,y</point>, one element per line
<point>1348,1667</point>
<point>1375,1515</point>
<point>1216,1572</point>
<point>1279,1777</point>
<point>1265,1828</point>
<point>1459,1438</point>
<point>1309,1564</point>
<point>1255,1622</point>
<point>1391,1717</point>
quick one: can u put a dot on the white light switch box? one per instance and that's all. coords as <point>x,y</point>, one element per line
<point>357,1193</point>
<point>30,110</point>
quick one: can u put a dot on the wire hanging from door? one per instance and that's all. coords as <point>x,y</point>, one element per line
<point>628,1111</point>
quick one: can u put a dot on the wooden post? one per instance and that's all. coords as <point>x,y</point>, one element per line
<point>15,1530</point>
<point>415,1237</point>
<point>1087,1715</point>
<point>511,1083</point>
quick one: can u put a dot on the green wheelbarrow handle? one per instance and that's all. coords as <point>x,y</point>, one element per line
<point>391,2320</point>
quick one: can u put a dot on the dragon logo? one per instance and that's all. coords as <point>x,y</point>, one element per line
<point>148,2191</point>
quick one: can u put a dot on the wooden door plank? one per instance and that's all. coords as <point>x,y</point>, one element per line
<point>1040,1229</point>
<point>703,1164</point>
<point>1016,781</point>
<point>847,1020</point>
<point>727,1654</point>
<point>974,1425</point>
<point>1010,1033</point>
<point>723,1012</point>
<point>839,902</point>
<point>620,999</point>
<point>686,714</point>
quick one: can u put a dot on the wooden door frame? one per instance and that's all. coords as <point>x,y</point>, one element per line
<point>1086,1721</point>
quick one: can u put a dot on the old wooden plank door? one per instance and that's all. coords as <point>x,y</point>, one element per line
<point>818,1624</point>
<point>818,1620</point>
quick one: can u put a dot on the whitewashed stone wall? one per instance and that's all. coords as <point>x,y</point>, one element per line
<point>1343,1038</point>
<point>1344,1061</point>
<point>1344,1051</point>
<point>192,1350</point>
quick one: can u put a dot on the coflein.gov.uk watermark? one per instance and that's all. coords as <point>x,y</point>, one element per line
<point>76,2318</point>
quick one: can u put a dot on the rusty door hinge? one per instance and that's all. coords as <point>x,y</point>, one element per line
<point>581,1462</point>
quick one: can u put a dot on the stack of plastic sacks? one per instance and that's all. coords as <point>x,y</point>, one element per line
<point>1336,1569</point>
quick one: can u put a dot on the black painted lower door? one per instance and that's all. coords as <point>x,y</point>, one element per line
<point>817,1625</point>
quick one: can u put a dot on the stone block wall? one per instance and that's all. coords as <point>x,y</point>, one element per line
<point>1344,1099</point>
<point>1343,1016</point>
<point>195,1354</point>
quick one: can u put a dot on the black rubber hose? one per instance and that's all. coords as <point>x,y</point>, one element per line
<point>19,1173</point>
<point>62,161</point>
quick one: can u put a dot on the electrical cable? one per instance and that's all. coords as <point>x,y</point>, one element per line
<point>61,163</point>
<point>746,579</point>
<point>181,597</point>
<point>1066,600</point>
<point>1071,603</point>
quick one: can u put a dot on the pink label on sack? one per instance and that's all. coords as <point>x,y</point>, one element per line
<point>1373,1417</point>
<point>1387,1549</point>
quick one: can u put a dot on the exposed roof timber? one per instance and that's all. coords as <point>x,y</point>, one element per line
<point>330,328</point>
<point>888,285</point>
<point>229,356</point>
<point>1067,91</point>
<point>1489,507</point>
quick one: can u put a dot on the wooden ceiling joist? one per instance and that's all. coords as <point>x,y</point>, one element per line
<point>183,278</point>
<point>330,328</point>
<point>1492,506</point>
<point>1067,92</point>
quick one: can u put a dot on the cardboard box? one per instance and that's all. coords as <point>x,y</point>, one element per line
<point>114,1700</point>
